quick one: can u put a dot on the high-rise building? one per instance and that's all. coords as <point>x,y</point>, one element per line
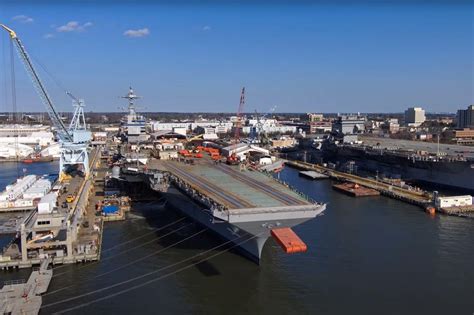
<point>465,118</point>
<point>415,116</point>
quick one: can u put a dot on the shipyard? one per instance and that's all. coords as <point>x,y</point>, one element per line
<point>187,169</point>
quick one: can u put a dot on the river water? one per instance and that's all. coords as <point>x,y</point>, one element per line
<point>366,256</point>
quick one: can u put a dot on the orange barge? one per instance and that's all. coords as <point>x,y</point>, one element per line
<point>356,190</point>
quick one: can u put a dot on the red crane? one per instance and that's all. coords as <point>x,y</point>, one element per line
<point>238,123</point>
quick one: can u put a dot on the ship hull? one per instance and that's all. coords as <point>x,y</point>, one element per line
<point>453,174</point>
<point>248,238</point>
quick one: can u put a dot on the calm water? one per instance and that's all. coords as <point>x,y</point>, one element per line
<point>366,256</point>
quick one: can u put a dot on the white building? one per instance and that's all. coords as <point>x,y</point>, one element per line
<point>267,125</point>
<point>8,151</point>
<point>453,201</point>
<point>241,149</point>
<point>220,126</point>
<point>53,150</point>
<point>160,126</point>
<point>42,138</point>
<point>415,116</point>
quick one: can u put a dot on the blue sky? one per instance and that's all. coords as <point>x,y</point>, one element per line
<point>301,58</point>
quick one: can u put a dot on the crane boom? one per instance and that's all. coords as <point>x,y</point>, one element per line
<point>240,110</point>
<point>63,133</point>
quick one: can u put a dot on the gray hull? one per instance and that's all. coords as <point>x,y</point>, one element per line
<point>248,236</point>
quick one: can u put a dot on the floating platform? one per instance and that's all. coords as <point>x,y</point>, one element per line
<point>289,241</point>
<point>356,190</point>
<point>313,175</point>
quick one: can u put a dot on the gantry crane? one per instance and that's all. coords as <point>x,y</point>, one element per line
<point>75,139</point>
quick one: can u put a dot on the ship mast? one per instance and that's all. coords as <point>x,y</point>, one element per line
<point>131,97</point>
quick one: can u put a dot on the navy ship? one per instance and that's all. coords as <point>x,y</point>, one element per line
<point>437,168</point>
<point>242,207</point>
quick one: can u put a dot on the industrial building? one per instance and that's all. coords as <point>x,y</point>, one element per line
<point>266,125</point>
<point>349,124</point>
<point>9,151</point>
<point>464,136</point>
<point>220,126</point>
<point>26,134</point>
<point>242,149</point>
<point>391,126</point>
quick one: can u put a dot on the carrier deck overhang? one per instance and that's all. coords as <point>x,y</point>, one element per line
<point>272,213</point>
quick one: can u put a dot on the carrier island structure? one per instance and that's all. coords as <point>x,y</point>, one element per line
<point>242,206</point>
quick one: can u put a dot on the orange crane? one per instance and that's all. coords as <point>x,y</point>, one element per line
<point>240,110</point>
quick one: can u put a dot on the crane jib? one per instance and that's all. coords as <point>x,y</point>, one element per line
<point>63,133</point>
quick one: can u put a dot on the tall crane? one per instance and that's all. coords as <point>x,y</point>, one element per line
<point>257,132</point>
<point>238,124</point>
<point>74,140</point>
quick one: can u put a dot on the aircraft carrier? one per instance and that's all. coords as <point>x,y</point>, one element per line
<point>244,207</point>
<point>445,165</point>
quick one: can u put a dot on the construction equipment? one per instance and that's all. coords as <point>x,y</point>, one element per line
<point>194,138</point>
<point>232,159</point>
<point>75,139</point>
<point>238,123</point>
<point>70,198</point>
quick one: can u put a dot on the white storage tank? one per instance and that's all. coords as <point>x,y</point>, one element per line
<point>47,203</point>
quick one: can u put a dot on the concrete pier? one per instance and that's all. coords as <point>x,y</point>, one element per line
<point>67,235</point>
<point>20,297</point>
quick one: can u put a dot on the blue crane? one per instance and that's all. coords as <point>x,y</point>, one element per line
<point>74,140</point>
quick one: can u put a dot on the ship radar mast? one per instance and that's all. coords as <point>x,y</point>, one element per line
<point>131,97</point>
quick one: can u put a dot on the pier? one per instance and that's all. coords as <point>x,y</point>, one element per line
<point>24,297</point>
<point>313,175</point>
<point>422,199</point>
<point>78,231</point>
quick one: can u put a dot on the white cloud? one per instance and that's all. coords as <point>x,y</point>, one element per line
<point>48,36</point>
<point>137,33</point>
<point>206,28</point>
<point>73,26</point>
<point>22,19</point>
